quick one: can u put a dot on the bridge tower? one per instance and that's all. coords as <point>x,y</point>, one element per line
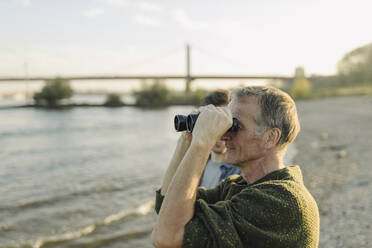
<point>188,69</point>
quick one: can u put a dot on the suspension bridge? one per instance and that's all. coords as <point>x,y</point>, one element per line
<point>187,77</point>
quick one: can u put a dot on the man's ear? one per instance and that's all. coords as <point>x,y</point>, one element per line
<point>272,137</point>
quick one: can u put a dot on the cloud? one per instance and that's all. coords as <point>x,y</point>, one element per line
<point>180,16</point>
<point>24,3</point>
<point>146,6</point>
<point>94,12</point>
<point>231,28</point>
<point>122,3</point>
<point>147,21</point>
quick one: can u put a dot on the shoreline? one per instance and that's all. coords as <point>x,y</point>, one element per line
<point>163,105</point>
<point>89,105</point>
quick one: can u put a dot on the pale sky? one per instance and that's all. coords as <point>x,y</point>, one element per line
<point>86,37</point>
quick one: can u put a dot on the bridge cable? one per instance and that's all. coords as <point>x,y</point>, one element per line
<point>152,59</point>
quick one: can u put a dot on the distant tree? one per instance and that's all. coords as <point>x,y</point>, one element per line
<point>301,88</point>
<point>113,100</point>
<point>356,66</point>
<point>158,94</point>
<point>188,98</point>
<point>152,95</point>
<point>53,92</point>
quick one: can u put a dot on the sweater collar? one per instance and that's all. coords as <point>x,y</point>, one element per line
<point>289,172</point>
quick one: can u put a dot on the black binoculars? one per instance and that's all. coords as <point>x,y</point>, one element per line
<point>183,122</point>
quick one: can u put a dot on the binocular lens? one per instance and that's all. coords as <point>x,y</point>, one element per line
<point>180,123</point>
<point>191,120</point>
<point>183,122</point>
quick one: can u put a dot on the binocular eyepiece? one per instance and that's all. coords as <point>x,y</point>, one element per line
<point>183,122</point>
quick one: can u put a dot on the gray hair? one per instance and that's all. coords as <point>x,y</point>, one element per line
<point>278,110</point>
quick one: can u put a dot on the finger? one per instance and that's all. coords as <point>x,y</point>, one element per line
<point>195,111</point>
<point>203,108</point>
<point>199,110</point>
<point>226,110</point>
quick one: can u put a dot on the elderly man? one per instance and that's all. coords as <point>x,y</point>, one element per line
<point>268,206</point>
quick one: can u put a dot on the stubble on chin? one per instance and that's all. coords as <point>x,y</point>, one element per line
<point>229,158</point>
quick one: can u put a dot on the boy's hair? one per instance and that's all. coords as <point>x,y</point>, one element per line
<point>217,98</point>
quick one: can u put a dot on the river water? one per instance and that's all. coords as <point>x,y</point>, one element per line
<point>82,177</point>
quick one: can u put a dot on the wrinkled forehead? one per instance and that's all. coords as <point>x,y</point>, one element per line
<point>245,107</point>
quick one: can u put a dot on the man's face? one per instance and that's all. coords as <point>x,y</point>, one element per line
<point>245,145</point>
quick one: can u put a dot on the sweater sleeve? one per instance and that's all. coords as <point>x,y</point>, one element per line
<point>208,195</point>
<point>261,216</point>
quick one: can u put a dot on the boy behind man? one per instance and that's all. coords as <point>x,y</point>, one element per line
<point>216,169</point>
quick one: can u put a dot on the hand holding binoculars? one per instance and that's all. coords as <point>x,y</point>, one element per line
<point>183,122</point>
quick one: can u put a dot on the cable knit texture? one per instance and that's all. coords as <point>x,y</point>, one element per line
<point>275,211</point>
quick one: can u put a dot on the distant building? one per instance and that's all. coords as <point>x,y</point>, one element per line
<point>299,72</point>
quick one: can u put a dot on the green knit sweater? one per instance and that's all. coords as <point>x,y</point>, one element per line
<point>275,211</point>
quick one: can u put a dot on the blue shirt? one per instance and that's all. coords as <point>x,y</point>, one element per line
<point>215,173</point>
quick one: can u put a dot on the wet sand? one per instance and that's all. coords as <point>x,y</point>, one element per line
<point>334,150</point>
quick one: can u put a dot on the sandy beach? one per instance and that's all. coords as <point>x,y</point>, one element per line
<point>334,152</point>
